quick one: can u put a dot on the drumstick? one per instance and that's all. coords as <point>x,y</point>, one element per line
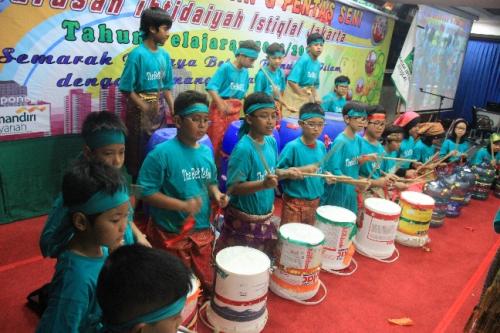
<point>329,154</point>
<point>417,178</point>
<point>339,179</point>
<point>184,329</point>
<point>442,159</point>
<point>291,109</point>
<point>398,159</point>
<point>428,161</point>
<point>262,158</point>
<point>492,153</point>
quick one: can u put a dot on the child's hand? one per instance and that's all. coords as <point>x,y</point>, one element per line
<point>294,173</point>
<point>368,157</point>
<point>192,206</point>
<point>271,181</point>
<point>221,199</point>
<point>401,186</point>
<point>329,180</point>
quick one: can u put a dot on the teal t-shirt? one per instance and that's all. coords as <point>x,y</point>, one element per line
<point>343,162</point>
<point>366,168</point>
<point>296,154</point>
<point>389,166</point>
<point>305,72</point>
<point>484,155</point>
<point>147,71</point>
<point>72,305</point>
<point>496,222</point>
<point>229,82</point>
<point>181,172</point>
<point>333,102</point>
<point>422,152</point>
<point>58,229</point>
<point>406,151</point>
<point>448,146</point>
<point>262,83</point>
<point>245,165</point>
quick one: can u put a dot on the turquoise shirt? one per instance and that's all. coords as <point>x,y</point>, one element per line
<point>333,102</point>
<point>483,155</point>
<point>344,162</point>
<point>389,166</point>
<point>72,305</point>
<point>262,83</point>
<point>180,172</point>
<point>58,230</point>
<point>406,151</point>
<point>422,152</point>
<point>448,146</point>
<point>245,165</point>
<point>296,154</point>
<point>229,82</point>
<point>496,222</point>
<point>147,71</point>
<point>305,72</point>
<point>366,168</point>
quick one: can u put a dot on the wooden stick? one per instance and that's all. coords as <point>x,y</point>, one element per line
<point>275,87</point>
<point>398,159</point>
<point>184,329</point>
<point>330,153</point>
<point>434,164</point>
<point>428,161</point>
<point>340,179</point>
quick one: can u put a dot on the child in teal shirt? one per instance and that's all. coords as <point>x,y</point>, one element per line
<point>431,135</point>
<point>335,100</point>
<point>146,79</point>
<point>301,196</point>
<point>409,121</point>
<point>275,53</point>
<point>455,141</point>
<point>303,80</point>
<point>483,155</point>
<point>227,88</point>
<point>98,203</point>
<point>252,177</point>
<point>178,179</point>
<point>130,302</point>
<point>346,160</point>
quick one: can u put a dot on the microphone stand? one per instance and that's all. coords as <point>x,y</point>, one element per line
<point>442,97</point>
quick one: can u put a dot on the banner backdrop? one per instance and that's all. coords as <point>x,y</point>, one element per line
<point>62,59</point>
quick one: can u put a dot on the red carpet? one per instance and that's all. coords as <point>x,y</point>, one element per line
<point>436,289</point>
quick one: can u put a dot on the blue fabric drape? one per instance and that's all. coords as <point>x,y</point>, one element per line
<point>480,78</point>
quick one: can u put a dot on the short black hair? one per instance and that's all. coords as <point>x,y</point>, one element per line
<point>391,129</point>
<point>451,131</point>
<point>257,97</point>
<point>136,280</point>
<point>189,97</point>
<point>373,109</point>
<point>311,108</point>
<point>249,44</point>
<point>275,47</point>
<point>102,120</point>
<point>87,177</point>
<point>342,79</point>
<point>354,105</point>
<point>314,36</point>
<point>154,17</point>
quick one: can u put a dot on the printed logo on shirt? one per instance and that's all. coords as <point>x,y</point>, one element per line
<point>196,173</point>
<point>311,75</point>
<point>262,175</point>
<point>408,152</point>
<point>237,86</point>
<point>154,76</point>
<point>351,162</point>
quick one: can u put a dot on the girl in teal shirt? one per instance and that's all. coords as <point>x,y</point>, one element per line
<point>455,141</point>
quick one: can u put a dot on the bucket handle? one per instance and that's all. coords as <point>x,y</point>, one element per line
<point>291,298</point>
<point>340,273</point>
<point>385,261</point>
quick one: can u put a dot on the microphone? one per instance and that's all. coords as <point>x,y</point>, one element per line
<point>421,89</point>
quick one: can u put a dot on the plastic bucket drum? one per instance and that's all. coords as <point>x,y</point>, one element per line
<point>481,189</point>
<point>439,212</point>
<point>240,291</point>
<point>339,226</point>
<point>165,134</point>
<point>375,236</point>
<point>334,125</point>
<point>298,261</point>
<point>230,138</point>
<point>289,131</point>
<point>189,314</point>
<point>416,214</point>
<point>497,188</point>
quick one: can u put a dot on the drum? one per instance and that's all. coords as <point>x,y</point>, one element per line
<point>441,195</point>
<point>296,101</point>
<point>239,302</point>
<point>485,175</point>
<point>339,227</point>
<point>165,134</point>
<point>289,130</point>
<point>298,261</point>
<point>230,138</point>
<point>376,234</point>
<point>189,313</point>
<point>416,214</point>
<point>334,125</point>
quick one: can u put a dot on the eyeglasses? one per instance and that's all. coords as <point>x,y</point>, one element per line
<point>199,120</point>
<point>313,125</point>
<point>271,116</point>
<point>376,123</point>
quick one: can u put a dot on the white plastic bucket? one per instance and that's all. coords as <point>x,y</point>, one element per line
<point>376,234</point>
<point>416,215</point>
<point>339,226</point>
<point>240,293</point>
<point>298,261</point>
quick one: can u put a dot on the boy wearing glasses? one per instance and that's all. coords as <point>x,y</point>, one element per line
<point>301,196</point>
<point>335,100</point>
<point>179,179</point>
<point>345,162</point>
